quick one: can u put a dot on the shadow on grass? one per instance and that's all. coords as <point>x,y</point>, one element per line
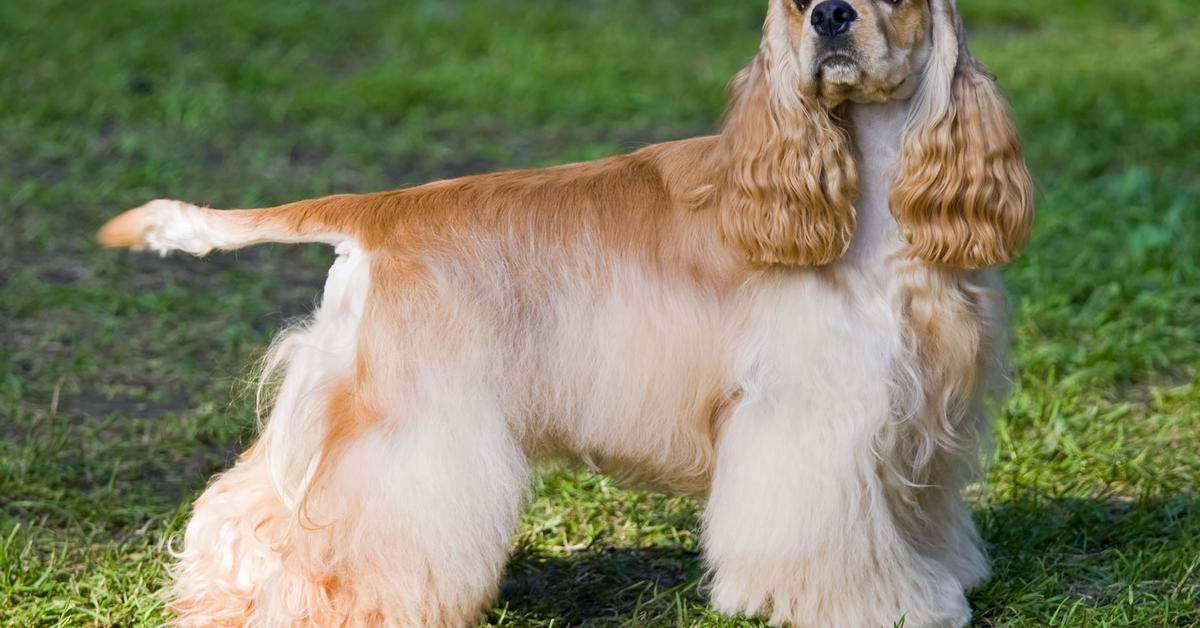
<point>600,587</point>
<point>1087,553</point>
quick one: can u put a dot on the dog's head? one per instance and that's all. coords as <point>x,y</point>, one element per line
<point>961,193</point>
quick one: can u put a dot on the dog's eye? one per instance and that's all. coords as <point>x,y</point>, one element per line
<point>803,5</point>
<point>893,2</point>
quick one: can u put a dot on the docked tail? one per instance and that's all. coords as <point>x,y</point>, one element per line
<point>165,226</point>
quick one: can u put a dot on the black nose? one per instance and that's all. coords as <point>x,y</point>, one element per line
<point>833,18</point>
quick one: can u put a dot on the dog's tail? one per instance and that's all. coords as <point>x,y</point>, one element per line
<point>165,226</point>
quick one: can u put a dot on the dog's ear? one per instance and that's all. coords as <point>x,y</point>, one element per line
<point>786,180</point>
<point>962,194</point>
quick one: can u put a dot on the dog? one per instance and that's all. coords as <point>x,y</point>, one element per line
<point>797,319</point>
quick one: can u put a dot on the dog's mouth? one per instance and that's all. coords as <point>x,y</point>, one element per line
<point>836,59</point>
<point>838,67</point>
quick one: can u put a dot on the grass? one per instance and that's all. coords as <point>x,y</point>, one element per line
<point>122,379</point>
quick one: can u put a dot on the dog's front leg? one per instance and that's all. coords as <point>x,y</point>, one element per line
<point>799,525</point>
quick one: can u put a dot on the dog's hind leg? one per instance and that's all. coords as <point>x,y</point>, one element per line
<point>387,483</point>
<point>411,522</point>
<point>409,525</point>
<point>243,525</point>
<point>229,548</point>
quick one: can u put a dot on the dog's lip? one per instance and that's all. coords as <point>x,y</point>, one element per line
<point>838,57</point>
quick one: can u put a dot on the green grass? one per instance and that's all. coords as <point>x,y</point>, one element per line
<point>123,376</point>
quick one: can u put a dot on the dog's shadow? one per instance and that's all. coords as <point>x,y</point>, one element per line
<point>1074,549</point>
<point>600,587</point>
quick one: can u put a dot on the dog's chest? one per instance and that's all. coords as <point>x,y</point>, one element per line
<point>879,334</point>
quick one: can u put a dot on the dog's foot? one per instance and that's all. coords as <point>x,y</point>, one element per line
<point>791,599</point>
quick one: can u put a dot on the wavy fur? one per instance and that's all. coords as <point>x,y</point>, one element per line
<point>963,194</point>
<point>786,179</point>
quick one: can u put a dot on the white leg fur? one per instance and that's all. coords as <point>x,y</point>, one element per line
<point>798,527</point>
<point>413,526</point>
<point>406,524</point>
<point>241,523</point>
<point>229,547</point>
<point>412,529</point>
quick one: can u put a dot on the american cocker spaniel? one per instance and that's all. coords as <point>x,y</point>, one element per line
<point>793,318</point>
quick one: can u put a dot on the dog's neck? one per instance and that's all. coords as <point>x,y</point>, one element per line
<point>876,132</point>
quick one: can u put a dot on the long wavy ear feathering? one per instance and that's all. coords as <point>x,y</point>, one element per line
<point>962,194</point>
<point>786,177</point>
